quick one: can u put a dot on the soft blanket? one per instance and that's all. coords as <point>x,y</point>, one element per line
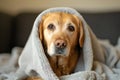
<point>99,60</point>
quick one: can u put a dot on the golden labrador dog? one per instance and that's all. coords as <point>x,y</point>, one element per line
<point>62,37</point>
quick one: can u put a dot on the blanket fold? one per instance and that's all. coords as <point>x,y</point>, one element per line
<point>99,60</point>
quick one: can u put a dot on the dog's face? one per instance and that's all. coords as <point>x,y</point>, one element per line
<point>61,33</point>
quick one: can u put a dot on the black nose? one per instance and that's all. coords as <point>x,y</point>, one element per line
<point>60,44</point>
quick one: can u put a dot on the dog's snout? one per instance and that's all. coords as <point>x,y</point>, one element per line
<point>60,44</point>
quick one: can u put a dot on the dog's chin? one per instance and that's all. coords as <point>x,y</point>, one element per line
<point>58,53</point>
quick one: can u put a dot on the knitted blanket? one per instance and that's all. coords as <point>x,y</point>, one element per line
<point>99,60</point>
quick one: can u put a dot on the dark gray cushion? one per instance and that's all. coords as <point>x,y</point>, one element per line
<point>5,32</point>
<point>105,25</point>
<point>22,29</point>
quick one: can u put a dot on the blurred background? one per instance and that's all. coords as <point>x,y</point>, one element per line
<point>17,17</point>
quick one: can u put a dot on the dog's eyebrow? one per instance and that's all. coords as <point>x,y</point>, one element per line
<point>69,24</point>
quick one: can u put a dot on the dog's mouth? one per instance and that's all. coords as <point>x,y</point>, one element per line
<point>60,51</point>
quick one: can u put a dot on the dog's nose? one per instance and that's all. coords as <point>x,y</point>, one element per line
<point>60,44</point>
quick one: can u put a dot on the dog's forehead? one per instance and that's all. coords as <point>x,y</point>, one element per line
<point>59,16</point>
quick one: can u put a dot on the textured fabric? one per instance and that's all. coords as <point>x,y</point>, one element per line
<point>9,63</point>
<point>101,61</point>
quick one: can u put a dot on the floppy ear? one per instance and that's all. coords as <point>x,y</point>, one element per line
<point>41,27</point>
<point>81,38</point>
<point>41,31</point>
<point>81,31</point>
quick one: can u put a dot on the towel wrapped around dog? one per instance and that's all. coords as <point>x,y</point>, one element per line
<point>99,60</point>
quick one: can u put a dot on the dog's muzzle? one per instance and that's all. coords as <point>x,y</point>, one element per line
<point>60,46</point>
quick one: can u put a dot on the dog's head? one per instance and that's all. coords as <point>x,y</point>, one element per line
<point>61,33</point>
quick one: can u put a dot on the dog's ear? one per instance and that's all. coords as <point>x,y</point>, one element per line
<point>81,38</point>
<point>41,27</point>
<point>81,31</point>
<point>41,30</point>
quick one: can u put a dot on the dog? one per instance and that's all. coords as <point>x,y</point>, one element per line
<point>61,34</point>
<point>62,37</point>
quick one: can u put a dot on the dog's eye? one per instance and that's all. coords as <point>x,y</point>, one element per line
<point>71,28</point>
<point>51,27</point>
